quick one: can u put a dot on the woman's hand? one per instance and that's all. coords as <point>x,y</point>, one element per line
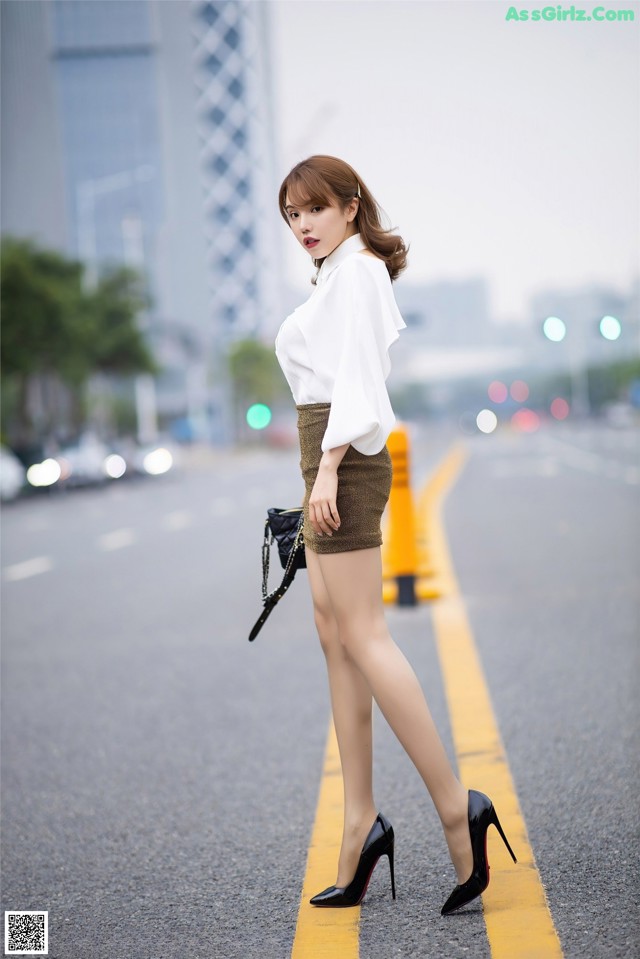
<point>323,511</point>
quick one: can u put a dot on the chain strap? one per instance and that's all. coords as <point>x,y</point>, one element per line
<point>266,552</point>
<point>269,600</point>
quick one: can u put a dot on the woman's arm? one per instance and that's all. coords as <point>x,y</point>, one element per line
<point>323,511</point>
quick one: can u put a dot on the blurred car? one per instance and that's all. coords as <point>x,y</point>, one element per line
<point>621,415</point>
<point>150,459</point>
<point>12,475</point>
<point>90,462</point>
<point>83,464</point>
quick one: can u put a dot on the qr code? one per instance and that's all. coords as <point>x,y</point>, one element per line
<point>26,933</point>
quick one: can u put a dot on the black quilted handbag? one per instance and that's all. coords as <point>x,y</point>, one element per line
<point>284,527</point>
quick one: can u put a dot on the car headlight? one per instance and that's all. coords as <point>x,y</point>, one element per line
<point>158,461</point>
<point>44,474</point>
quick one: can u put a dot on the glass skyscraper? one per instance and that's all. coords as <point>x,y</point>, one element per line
<point>105,72</point>
<point>158,122</point>
<point>233,103</point>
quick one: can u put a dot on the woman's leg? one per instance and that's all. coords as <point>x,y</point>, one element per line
<point>353,583</point>
<point>351,704</point>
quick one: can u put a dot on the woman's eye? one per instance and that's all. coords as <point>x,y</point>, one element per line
<point>316,209</point>
<point>292,215</point>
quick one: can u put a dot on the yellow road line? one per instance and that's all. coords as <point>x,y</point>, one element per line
<point>517,916</point>
<point>326,933</point>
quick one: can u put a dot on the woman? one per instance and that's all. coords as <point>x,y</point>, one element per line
<point>333,351</point>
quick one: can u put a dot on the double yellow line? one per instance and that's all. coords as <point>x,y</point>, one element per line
<point>517,916</point>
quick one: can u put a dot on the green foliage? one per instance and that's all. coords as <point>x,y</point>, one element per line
<point>54,330</point>
<point>255,373</point>
<point>611,382</point>
<point>606,384</point>
<point>255,378</point>
<point>411,401</point>
<point>50,324</point>
<point>42,312</point>
<point>118,346</point>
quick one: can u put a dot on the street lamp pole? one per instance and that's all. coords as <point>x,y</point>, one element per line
<point>579,374</point>
<point>86,220</point>
<point>555,330</point>
<point>86,193</point>
<point>145,392</point>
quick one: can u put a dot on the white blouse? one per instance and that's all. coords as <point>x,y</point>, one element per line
<point>335,347</point>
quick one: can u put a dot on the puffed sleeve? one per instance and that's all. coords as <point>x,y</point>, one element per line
<point>368,322</point>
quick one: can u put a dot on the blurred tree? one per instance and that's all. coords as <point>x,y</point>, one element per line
<point>55,334</point>
<point>117,344</point>
<point>255,378</point>
<point>607,383</point>
<point>411,401</point>
<point>612,382</point>
<point>41,299</point>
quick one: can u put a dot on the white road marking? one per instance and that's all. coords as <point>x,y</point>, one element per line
<point>524,466</point>
<point>612,470</point>
<point>222,506</point>
<point>592,462</point>
<point>548,467</point>
<point>181,519</point>
<point>117,539</point>
<point>30,567</point>
<point>255,495</point>
<point>37,524</point>
<point>583,461</point>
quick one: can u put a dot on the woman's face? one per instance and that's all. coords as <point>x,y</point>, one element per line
<point>320,229</point>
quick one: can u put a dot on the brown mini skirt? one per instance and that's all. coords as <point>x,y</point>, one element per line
<point>364,484</point>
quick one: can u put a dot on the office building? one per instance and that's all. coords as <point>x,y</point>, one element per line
<point>139,131</point>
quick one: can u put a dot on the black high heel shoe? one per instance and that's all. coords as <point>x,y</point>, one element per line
<point>378,843</point>
<point>481,816</point>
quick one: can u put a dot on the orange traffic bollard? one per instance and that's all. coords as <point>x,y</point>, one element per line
<point>401,553</point>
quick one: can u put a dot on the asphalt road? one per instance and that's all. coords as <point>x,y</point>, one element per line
<point>160,774</point>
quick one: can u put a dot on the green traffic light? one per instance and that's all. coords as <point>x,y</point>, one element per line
<point>258,416</point>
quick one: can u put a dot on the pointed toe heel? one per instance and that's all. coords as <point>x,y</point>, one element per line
<point>379,842</point>
<point>481,816</point>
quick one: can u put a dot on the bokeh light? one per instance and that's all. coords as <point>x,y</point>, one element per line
<point>554,329</point>
<point>65,467</point>
<point>559,408</point>
<point>486,421</point>
<point>519,391</point>
<point>497,391</point>
<point>115,466</point>
<point>610,327</point>
<point>526,420</point>
<point>44,474</point>
<point>158,461</point>
<point>258,416</point>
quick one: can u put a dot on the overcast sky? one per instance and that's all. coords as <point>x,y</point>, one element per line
<point>504,149</point>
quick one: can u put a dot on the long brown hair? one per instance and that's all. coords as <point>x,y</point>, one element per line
<point>325,180</point>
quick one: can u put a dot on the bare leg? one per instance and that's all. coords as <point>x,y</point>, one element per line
<point>353,582</point>
<point>351,704</point>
